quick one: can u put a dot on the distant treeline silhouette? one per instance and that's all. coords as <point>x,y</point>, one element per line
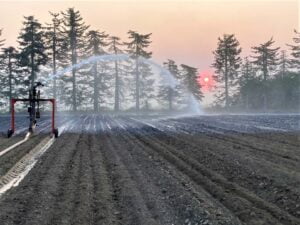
<point>266,81</point>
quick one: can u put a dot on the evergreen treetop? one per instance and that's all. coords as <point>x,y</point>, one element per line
<point>138,44</point>
<point>32,46</point>
<point>266,57</point>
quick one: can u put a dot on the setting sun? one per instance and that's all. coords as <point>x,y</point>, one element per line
<point>206,81</point>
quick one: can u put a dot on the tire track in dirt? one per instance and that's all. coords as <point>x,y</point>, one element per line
<point>9,159</point>
<point>32,201</point>
<point>19,170</point>
<point>64,188</point>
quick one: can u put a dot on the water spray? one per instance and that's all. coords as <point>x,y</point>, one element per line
<point>167,76</point>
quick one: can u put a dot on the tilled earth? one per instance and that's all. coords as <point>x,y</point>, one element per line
<point>135,171</point>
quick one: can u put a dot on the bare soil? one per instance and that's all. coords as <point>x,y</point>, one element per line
<point>173,172</point>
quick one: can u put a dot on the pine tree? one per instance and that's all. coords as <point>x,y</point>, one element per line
<point>126,83</point>
<point>106,94</point>
<point>2,66</point>
<point>73,33</point>
<point>147,86</point>
<point>32,47</point>
<point>227,62</point>
<point>54,44</point>
<point>95,43</point>
<point>190,81</point>
<point>245,82</point>
<point>266,58</point>
<point>283,64</point>
<point>249,93</point>
<point>10,75</point>
<point>1,40</point>
<point>166,92</point>
<point>295,51</point>
<point>136,48</point>
<point>114,47</point>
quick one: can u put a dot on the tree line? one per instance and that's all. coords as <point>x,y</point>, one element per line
<point>265,81</point>
<point>45,49</point>
<point>268,80</point>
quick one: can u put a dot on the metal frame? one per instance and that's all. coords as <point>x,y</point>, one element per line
<point>14,101</point>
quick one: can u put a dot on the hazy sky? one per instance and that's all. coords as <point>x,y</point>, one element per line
<point>185,31</point>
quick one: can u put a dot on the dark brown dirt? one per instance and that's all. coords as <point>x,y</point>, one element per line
<point>127,176</point>
<point>6,142</point>
<point>10,158</point>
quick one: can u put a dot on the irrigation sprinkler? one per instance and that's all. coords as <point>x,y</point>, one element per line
<point>33,110</point>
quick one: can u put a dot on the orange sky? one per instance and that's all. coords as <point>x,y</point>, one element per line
<point>185,31</point>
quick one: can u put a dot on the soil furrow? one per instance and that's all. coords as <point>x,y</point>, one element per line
<point>103,206</point>
<point>261,143</point>
<point>116,170</point>
<point>83,197</point>
<point>153,196</point>
<point>125,190</point>
<point>250,206</point>
<point>67,194</point>
<point>278,187</point>
<point>203,209</point>
<point>286,152</point>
